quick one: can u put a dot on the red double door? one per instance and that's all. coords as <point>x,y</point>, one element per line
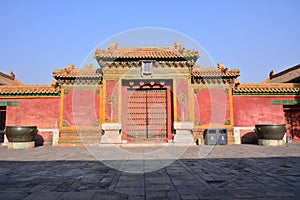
<point>147,114</point>
<point>292,116</point>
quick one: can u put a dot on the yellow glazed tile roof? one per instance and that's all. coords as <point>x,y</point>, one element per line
<point>71,72</point>
<point>268,88</point>
<point>176,52</point>
<point>215,72</point>
<point>27,90</point>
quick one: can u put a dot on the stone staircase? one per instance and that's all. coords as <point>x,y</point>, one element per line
<point>147,141</point>
<point>79,137</point>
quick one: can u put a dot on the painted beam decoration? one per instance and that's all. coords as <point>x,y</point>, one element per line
<point>9,103</point>
<point>285,102</point>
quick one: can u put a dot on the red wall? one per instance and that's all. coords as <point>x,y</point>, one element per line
<point>81,107</point>
<point>41,112</point>
<point>251,110</point>
<point>211,106</point>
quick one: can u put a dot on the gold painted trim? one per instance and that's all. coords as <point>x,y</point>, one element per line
<point>191,102</point>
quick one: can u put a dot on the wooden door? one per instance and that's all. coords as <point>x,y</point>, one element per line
<point>146,113</point>
<point>2,122</point>
<point>292,116</point>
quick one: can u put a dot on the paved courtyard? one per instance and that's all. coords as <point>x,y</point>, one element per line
<point>151,172</point>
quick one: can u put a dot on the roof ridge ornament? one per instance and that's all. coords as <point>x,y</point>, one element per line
<point>89,66</point>
<point>71,66</point>
<point>236,83</point>
<point>68,69</point>
<point>113,47</point>
<point>221,67</point>
<point>271,74</point>
<point>179,47</point>
<point>12,75</point>
<point>55,86</point>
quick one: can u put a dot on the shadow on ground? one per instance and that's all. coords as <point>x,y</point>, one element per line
<point>210,178</point>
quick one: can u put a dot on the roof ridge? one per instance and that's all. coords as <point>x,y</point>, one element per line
<point>285,71</point>
<point>10,79</point>
<point>6,76</point>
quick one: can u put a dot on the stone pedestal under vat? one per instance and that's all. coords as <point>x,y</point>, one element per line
<point>111,133</point>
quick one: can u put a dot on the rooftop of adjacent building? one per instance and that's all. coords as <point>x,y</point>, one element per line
<point>9,79</point>
<point>290,75</point>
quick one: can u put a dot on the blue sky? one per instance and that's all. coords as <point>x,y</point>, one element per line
<point>254,36</point>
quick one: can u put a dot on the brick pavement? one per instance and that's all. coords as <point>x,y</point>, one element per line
<point>201,172</point>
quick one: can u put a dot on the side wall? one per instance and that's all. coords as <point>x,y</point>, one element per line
<point>251,110</point>
<point>40,112</point>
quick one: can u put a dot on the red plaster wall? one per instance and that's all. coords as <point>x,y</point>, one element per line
<point>41,112</point>
<point>251,110</point>
<point>81,107</point>
<point>67,108</point>
<point>211,106</point>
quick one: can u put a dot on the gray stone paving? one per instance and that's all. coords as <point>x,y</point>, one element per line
<point>201,172</point>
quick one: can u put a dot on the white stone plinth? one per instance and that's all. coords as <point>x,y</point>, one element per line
<point>5,142</point>
<point>20,145</point>
<point>111,134</point>
<point>270,142</point>
<point>183,132</point>
<point>55,137</point>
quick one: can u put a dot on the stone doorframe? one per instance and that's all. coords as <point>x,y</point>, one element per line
<point>2,122</point>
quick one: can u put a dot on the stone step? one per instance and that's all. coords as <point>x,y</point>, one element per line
<point>77,144</point>
<point>76,137</point>
<point>66,134</point>
<point>70,142</point>
<point>147,140</point>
